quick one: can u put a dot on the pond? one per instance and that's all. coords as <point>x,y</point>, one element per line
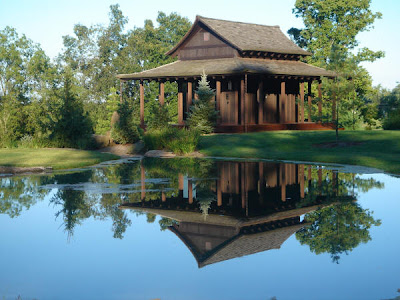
<point>188,228</point>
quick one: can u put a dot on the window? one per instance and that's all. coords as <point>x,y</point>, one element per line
<point>229,85</point>
<point>206,36</point>
<point>208,246</point>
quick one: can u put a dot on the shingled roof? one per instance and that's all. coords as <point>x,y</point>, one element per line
<point>244,245</point>
<point>225,66</point>
<point>247,36</point>
<point>240,244</point>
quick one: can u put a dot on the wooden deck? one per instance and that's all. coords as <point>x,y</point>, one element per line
<point>272,127</point>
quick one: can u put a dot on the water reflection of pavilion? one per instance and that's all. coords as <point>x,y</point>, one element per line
<point>250,207</point>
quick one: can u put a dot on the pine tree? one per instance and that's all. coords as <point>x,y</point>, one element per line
<point>203,115</point>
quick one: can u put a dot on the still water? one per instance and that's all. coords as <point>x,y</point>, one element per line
<point>200,229</point>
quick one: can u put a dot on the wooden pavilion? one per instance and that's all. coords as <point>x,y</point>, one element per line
<point>255,70</point>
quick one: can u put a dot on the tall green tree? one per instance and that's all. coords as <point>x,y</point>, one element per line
<point>97,53</point>
<point>23,70</point>
<point>330,34</point>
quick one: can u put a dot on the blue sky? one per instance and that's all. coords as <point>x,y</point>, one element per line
<point>46,21</point>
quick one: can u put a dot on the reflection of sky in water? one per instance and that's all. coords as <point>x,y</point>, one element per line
<point>107,188</point>
<point>39,261</point>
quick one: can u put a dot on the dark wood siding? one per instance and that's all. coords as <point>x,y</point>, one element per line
<point>229,107</point>
<point>204,45</point>
<point>271,109</point>
<point>251,108</point>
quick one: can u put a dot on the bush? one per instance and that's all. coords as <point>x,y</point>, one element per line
<point>184,142</point>
<point>125,130</point>
<point>159,117</point>
<point>125,135</point>
<point>179,141</point>
<point>392,121</point>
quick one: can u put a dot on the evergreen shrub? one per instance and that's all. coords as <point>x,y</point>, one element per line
<point>203,116</point>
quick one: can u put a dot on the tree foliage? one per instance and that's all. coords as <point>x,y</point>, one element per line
<point>330,34</point>
<point>53,103</point>
<point>98,53</point>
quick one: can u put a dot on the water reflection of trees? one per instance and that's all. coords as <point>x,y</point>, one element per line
<point>97,193</point>
<point>19,193</point>
<point>341,227</point>
<point>337,229</point>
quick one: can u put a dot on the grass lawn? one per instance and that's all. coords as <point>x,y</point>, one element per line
<point>379,149</point>
<point>55,158</point>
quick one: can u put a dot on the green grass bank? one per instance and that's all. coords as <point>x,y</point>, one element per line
<point>378,149</point>
<point>55,158</point>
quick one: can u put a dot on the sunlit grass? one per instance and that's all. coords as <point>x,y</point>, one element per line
<point>55,158</point>
<point>378,149</point>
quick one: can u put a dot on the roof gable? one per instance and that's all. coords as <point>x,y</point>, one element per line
<point>245,36</point>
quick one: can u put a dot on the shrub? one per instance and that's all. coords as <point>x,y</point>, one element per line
<point>159,117</point>
<point>26,141</point>
<point>184,142</point>
<point>125,130</point>
<point>179,141</point>
<point>154,139</point>
<point>392,121</point>
<point>124,135</point>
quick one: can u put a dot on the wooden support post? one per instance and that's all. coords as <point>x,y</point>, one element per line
<point>334,106</point>
<point>218,99</point>
<point>189,96</point>
<point>302,102</point>
<point>309,101</point>
<point>334,188</point>
<point>246,103</point>
<point>141,104</point>
<point>161,96</point>
<point>320,102</point>
<point>120,91</point>
<point>242,101</point>
<point>180,181</point>
<point>320,178</point>
<point>180,104</point>
<point>261,182</point>
<point>282,102</point>
<point>219,192</point>
<point>218,94</point>
<point>163,197</point>
<point>190,191</point>
<point>243,184</point>
<point>260,100</point>
<point>293,104</point>
<point>301,179</point>
<point>142,182</point>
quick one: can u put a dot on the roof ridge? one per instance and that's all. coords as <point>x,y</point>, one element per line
<point>247,23</point>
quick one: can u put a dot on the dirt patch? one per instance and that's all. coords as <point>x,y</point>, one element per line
<point>128,150</point>
<point>20,170</point>
<point>159,153</point>
<point>337,144</point>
